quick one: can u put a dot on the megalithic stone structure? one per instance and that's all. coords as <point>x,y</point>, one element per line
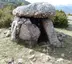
<point>29,19</point>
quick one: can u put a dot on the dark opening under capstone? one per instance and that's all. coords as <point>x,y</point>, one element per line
<point>38,22</point>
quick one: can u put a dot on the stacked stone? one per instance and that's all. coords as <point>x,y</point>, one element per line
<point>23,28</point>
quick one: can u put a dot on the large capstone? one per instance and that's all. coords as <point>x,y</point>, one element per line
<point>36,10</point>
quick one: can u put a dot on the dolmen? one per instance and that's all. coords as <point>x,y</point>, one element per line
<point>28,23</point>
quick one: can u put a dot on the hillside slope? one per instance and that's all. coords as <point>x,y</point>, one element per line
<point>13,2</point>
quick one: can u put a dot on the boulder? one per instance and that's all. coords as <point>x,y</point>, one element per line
<point>8,33</point>
<point>29,31</point>
<point>14,28</point>
<point>36,10</point>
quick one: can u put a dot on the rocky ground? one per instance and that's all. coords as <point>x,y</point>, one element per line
<point>18,52</point>
<point>12,52</point>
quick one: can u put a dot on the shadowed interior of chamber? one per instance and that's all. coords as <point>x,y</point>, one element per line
<point>38,22</point>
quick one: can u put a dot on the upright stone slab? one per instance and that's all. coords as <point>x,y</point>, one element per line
<point>29,31</point>
<point>14,28</point>
<point>49,28</point>
<point>23,29</point>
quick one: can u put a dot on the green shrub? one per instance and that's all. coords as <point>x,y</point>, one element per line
<point>5,21</point>
<point>6,16</point>
<point>60,20</point>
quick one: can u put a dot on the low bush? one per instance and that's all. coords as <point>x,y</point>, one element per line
<point>6,16</point>
<point>60,20</point>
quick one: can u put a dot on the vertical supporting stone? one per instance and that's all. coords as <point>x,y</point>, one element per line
<point>13,30</point>
<point>49,28</point>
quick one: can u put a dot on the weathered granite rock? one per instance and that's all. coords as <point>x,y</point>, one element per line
<point>14,28</point>
<point>36,10</point>
<point>49,28</point>
<point>61,36</point>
